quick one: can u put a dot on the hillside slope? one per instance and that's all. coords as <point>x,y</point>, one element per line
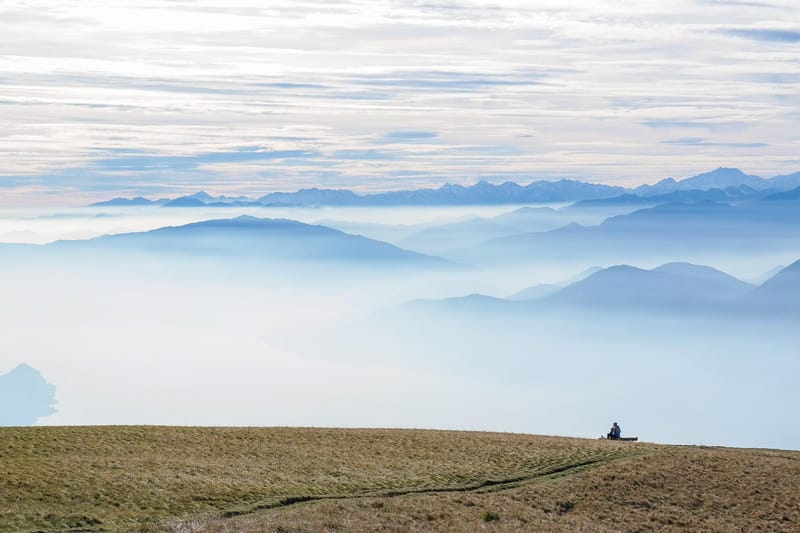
<point>293,479</point>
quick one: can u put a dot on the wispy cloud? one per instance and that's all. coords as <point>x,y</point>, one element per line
<point>409,136</point>
<point>766,34</point>
<point>156,162</point>
<point>700,141</point>
<point>164,94</point>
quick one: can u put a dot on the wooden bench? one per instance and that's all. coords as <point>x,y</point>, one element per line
<point>624,439</point>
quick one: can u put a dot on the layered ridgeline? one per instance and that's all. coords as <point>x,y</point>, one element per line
<point>726,182</point>
<point>241,238</point>
<point>682,288</point>
<point>781,291</point>
<point>671,231</point>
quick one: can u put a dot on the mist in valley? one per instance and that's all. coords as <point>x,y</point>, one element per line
<point>394,317</point>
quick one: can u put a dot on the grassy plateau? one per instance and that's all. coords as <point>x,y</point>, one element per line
<point>180,479</point>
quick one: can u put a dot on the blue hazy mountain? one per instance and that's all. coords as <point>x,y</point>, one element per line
<point>202,199</point>
<point>542,290</point>
<point>721,178</point>
<point>792,195</point>
<point>25,397</point>
<point>536,292</point>
<point>311,197</point>
<point>126,202</point>
<point>785,182</point>
<point>482,193</point>
<point>734,182</point>
<point>185,201</point>
<point>664,232</point>
<point>485,193</point>
<point>206,198</point>
<point>780,293</point>
<point>506,193</point>
<point>671,285</point>
<point>254,238</point>
<point>198,199</point>
<point>474,230</point>
<point>762,278</point>
<point>729,194</point>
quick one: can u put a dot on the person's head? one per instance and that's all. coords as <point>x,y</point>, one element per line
<point>615,423</point>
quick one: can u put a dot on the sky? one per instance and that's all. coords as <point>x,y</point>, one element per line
<point>162,98</point>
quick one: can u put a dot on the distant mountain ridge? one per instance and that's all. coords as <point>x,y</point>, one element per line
<point>448,194</point>
<point>670,231</point>
<point>675,287</point>
<point>670,285</point>
<point>781,291</point>
<point>732,181</point>
<point>720,178</point>
<point>247,237</point>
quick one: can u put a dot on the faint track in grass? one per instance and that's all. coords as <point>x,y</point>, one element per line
<point>483,486</point>
<point>129,478</point>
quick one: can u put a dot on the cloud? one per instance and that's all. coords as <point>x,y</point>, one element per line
<point>450,81</point>
<point>700,141</point>
<point>156,162</point>
<point>740,3</point>
<point>409,136</point>
<point>166,94</point>
<point>765,34</point>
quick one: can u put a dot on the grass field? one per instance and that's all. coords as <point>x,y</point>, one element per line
<point>281,479</point>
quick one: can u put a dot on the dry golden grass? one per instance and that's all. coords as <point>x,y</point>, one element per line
<point>674,489</point>
<point>293,480</point>
<point>121,478</point>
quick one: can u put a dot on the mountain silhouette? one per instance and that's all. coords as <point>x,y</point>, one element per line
<point>546,289</point>
<point>664,232</point>
<point>670,285</point>
<point>256,238</point>
<point>185,201</point>
<point>728,194</point>
<point>780,293</point>
<point>485,193</point>
<point>720,178</point>
<point>125,202</point>
<point>25,397</point>
<point>786,196</point>
<point>475,230</point>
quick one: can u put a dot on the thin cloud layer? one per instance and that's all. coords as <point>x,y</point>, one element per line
<point>245,98</point>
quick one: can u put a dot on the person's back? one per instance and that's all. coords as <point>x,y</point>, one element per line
<point>615,432</point>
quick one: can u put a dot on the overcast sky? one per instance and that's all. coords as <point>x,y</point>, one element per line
<point>99,99</point>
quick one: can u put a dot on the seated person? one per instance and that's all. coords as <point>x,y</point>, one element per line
<point>615,432</point>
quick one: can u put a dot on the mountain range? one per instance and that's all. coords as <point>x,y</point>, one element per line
<point>668,231</point>
<point>732,180</point>
<point>781,291</point>
<point>721,178</point>
<point>676,287</point>
<point>670,285</point>
<point>248,238</point>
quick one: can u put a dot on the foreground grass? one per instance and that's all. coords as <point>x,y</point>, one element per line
<point>691,489</point>
<point>280,479</point>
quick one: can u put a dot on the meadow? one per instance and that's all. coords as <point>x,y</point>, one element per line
<point>151,478</point>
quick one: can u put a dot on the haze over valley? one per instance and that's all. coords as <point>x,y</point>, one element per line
<point>466,316</point>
